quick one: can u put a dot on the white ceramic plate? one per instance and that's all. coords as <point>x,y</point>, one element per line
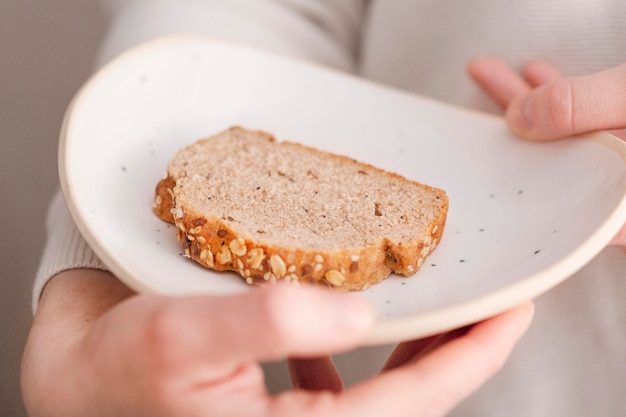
<point>523,216</point>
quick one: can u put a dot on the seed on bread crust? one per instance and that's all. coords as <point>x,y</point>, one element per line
<point>206,256</point>
<point>255,257</point>
<point>278,266</point>
<point>177,212</point>
<point>336,278</point>
<point>238,247</point>
<point>200,221</point>
<point>306,270</point>
<point>224,256</point>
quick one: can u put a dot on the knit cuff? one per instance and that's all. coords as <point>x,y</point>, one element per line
<point>65,248</point>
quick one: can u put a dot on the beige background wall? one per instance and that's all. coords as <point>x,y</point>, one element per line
<point>46,48</point>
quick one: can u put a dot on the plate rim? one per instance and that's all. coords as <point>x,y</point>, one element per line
<point>385,330</point>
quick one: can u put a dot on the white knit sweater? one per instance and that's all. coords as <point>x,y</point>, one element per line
<point>573,360</point>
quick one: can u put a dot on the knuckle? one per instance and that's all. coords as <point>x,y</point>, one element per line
<point>561,106</point>
<point>161,325</point>
<point>279,309</point>
<point>160,334</point>
<point>276,314</point>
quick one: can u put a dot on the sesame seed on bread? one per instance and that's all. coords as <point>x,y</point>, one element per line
<point>269,210</point>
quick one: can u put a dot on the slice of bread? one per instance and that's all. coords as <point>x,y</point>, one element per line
<point>270,210</point>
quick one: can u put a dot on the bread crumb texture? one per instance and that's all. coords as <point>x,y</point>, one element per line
<point>270,210</point>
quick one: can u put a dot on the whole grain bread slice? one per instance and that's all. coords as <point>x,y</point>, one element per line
<point>269,210</point>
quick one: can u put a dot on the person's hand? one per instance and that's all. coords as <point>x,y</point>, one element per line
<point>426,377</point>
<point>542,104</point>
<point>97,349</point>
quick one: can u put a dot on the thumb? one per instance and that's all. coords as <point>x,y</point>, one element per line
<point>276,322</point>
<point>570,106</point>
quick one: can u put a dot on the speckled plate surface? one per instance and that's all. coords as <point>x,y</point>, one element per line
<point>523,216</point>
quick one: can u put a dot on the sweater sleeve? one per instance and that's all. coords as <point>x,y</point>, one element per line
<point>323,31</point>
<point>65,247</point>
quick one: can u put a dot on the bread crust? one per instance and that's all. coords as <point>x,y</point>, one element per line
<point>216,243</point>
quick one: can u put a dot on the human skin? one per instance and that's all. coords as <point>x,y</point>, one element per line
<point>98,349</point>
<point>541,104</point>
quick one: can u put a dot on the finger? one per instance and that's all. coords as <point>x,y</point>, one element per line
<point>539,72</point>
<point>437,382</point>
<point>571,106</point>
<point>441,340</point>
<point>406,352</point>
<point>620,238</point>
<point>315,374</point>
<point>498,79</point>
<point>620,133</point>
<point>264,324</point>
<point>412,351</point>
